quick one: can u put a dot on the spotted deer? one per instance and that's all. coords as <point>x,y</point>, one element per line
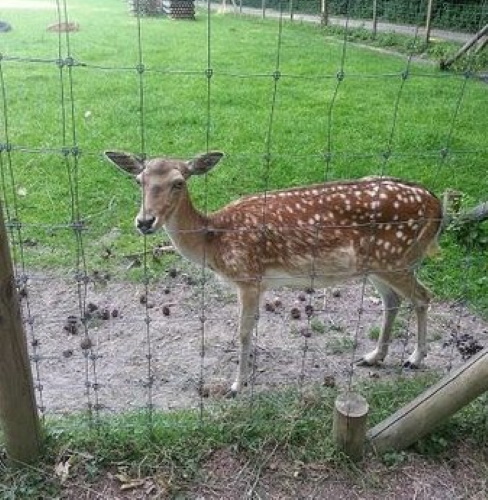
<point>378,227</point>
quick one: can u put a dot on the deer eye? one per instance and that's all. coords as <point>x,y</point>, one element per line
<point>177,185</point>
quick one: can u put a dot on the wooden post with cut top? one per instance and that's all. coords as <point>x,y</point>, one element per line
<point>18,414</point>
<point>349,425</point>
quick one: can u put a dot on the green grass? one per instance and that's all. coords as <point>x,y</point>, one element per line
<point>297,426</point>
<point>106,115</point>
<point>435,111</point>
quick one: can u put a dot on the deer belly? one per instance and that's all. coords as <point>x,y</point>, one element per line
<point>324,269</point>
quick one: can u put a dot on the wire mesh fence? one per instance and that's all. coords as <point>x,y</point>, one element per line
<point>458,16</point>
<point>117,324</point>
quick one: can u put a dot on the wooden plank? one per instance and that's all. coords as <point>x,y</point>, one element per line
<point>433,407</point>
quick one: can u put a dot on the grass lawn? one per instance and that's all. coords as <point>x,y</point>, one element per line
<point>172,451</point>
<point>289,105</point>
<point>314,125</point>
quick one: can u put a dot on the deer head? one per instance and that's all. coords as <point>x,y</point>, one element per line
<point>163,183</point>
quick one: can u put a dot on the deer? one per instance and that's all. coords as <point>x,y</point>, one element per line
<point>376,228</point>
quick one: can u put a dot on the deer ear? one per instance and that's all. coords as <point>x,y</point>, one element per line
<point>203,163</point>
<point>128,162</point>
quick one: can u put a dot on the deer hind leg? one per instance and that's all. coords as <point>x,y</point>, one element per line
<point>391,303</point>
<point>249,299</point>
<point>407,285</point>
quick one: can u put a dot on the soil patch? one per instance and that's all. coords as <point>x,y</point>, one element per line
<point>141,346</point>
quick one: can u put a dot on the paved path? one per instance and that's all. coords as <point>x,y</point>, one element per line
<point>353,23</point>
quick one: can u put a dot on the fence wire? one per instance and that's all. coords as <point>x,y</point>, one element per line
<point>78,158</point>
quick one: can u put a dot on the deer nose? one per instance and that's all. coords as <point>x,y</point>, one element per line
<point>145,226</point>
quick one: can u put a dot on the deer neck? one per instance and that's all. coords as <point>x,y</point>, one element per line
<point>186,227</point>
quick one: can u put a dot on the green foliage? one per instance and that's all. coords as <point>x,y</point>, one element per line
<point>317,325</point>
<point>340,345</point>
<point>437,136</point>
<point>474,235</point>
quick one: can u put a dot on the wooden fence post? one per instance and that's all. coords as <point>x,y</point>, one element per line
<point>428,21</point>
<point>263,8</point>
<point>324,12</point>
<point>349,424</point>
<point>375,18</point>
<point>18,413</point>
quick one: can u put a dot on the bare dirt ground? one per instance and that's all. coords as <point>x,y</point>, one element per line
<point>128,323</point>
<point>150,346</point>
<point>226,475</point>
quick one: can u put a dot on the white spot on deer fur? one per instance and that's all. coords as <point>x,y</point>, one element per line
<point>315,192</point>
<point>383,196</point>
<point>399,234</point>
<point>317,217</point>
<point>298,206</point>
<point>311,221</point>
<point>396,204</point>
<point>387,245</point>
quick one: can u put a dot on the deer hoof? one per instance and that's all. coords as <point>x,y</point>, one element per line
<point>365,362</point>
<point>371,359</point>
<point>411,366</point>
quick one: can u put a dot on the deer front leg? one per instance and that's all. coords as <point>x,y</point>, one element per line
<point>249,298</point>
